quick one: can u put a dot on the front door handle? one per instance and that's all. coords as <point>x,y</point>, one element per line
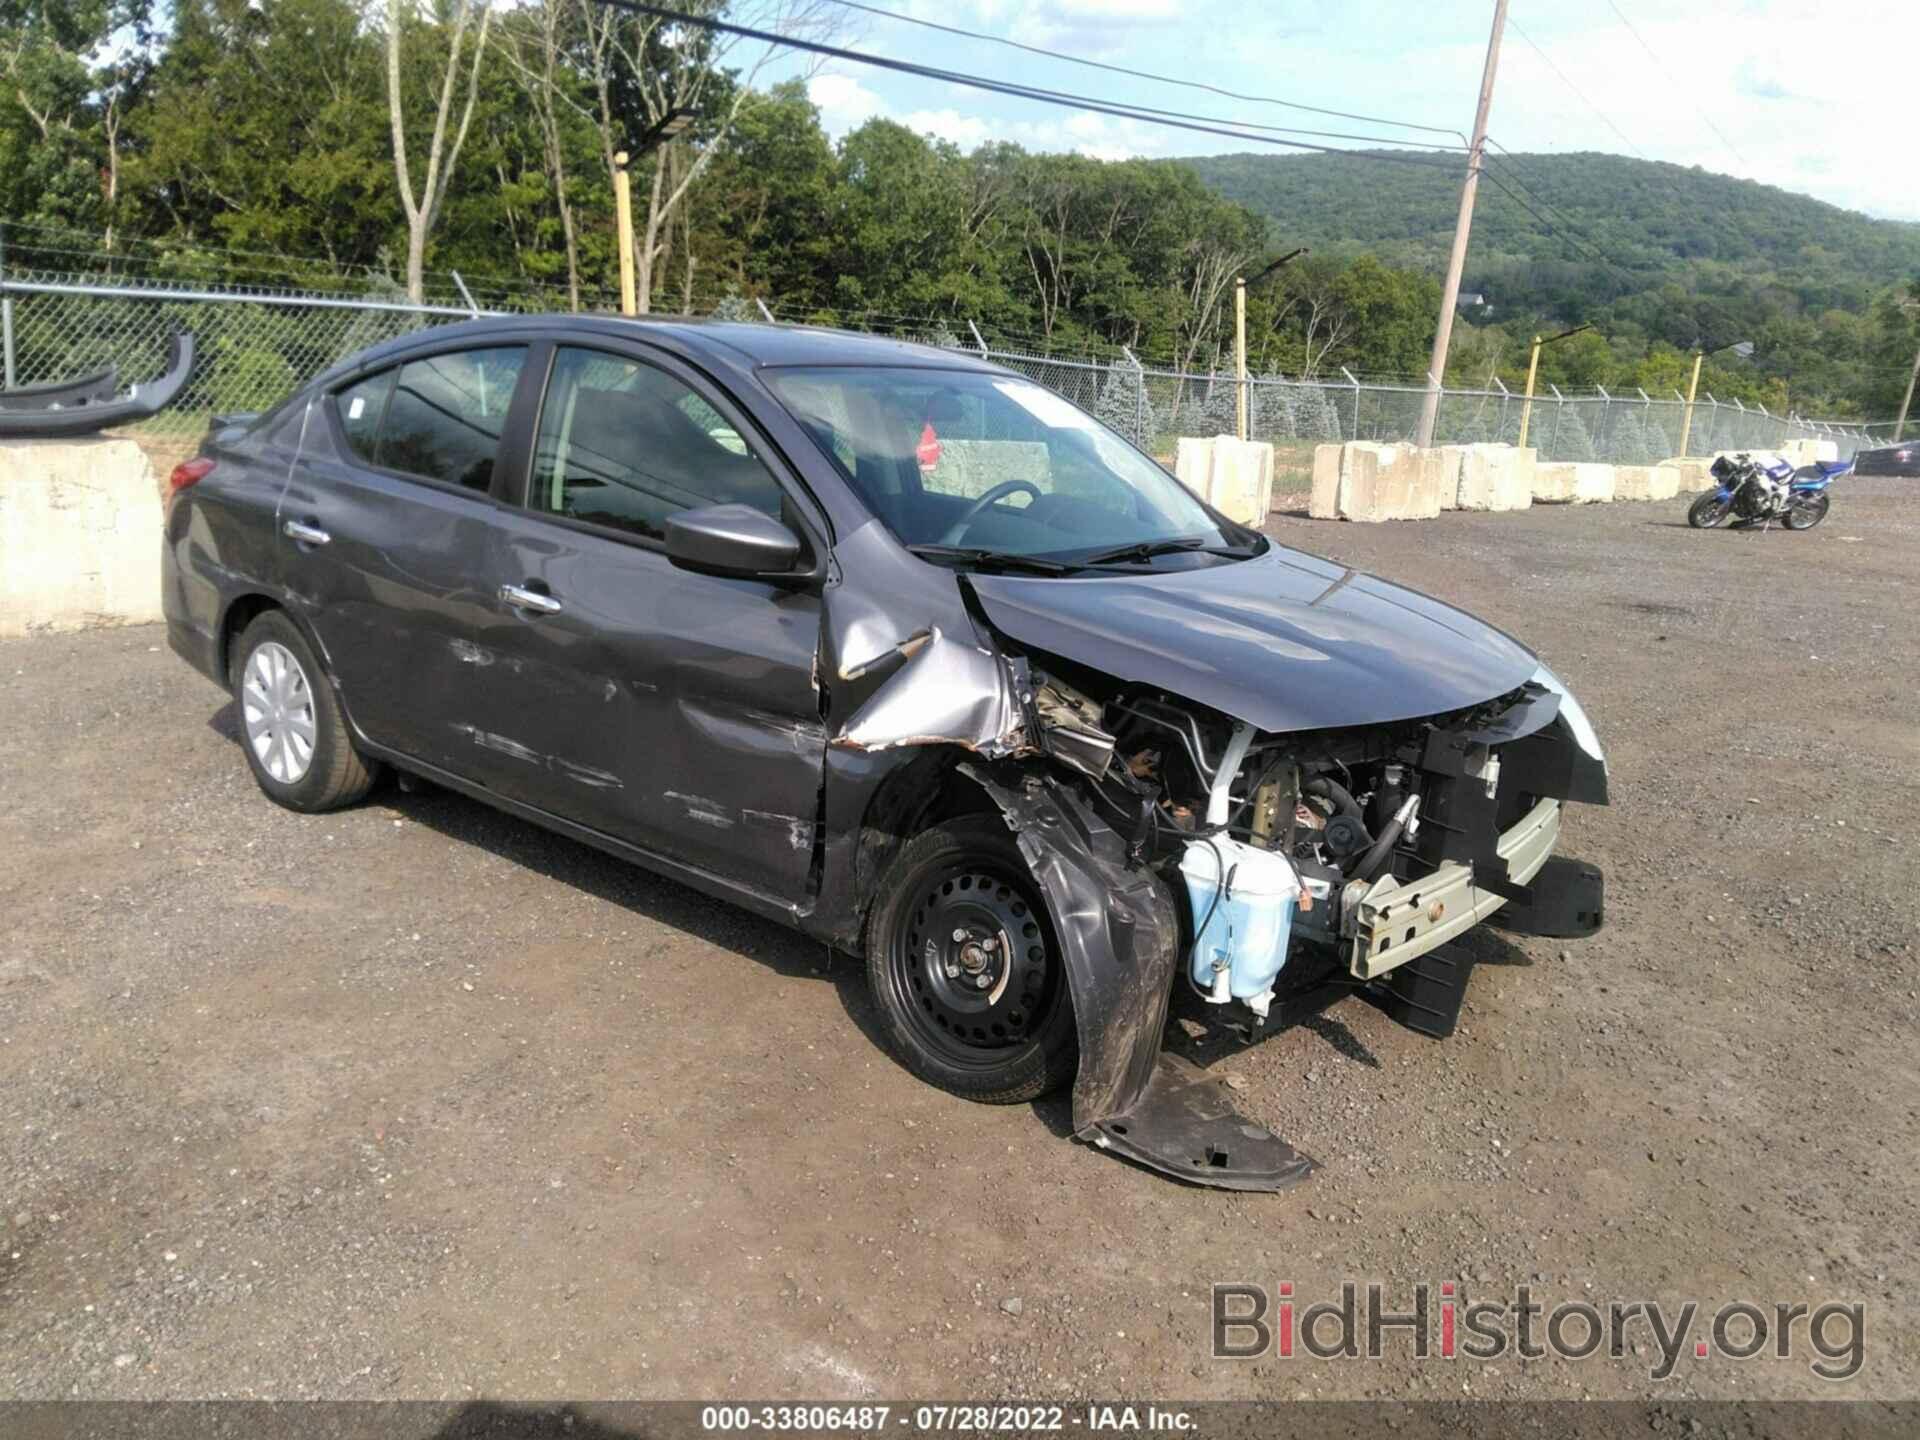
<point>306,534</point>
<point>523,599</point>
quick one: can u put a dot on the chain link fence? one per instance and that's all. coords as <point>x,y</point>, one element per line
<point>256,346</point>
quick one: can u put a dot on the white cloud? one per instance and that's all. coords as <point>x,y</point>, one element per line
<point>966,131</point>
<point>844,103</point>
<point>1787,86</point>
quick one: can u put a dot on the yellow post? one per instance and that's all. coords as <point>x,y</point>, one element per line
<point>1526,406</point>
<point>1693,387</point>
<point>1240,357</point>
<point>623,222</point>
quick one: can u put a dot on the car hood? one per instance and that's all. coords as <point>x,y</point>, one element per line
<point>1285,641</point>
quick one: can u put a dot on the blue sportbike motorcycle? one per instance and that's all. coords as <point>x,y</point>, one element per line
<point>1765,489</point>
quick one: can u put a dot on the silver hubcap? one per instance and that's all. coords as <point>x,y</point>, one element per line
<point>276,705</point>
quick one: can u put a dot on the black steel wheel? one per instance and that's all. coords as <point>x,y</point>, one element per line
<point>1803,513</point>
<point>1708,512</point>
<point>965,968</point>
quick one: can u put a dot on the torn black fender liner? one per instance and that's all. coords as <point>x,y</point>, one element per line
<point>1185,1125</point>
<point>1120,944</point>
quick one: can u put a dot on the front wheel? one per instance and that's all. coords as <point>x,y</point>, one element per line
<point>965,968</point>
<point>1708,511</point>
<point>1805,512</point>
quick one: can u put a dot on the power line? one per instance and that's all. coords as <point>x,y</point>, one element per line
<point>1205,125</point>
<point>1604,118</point>
<point>1651,55</point>
<point>1140,74</point>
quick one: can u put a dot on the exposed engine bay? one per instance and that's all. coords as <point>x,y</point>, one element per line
<point>1280,840</point>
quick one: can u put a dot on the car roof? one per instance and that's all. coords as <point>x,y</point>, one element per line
<point>733,341</point>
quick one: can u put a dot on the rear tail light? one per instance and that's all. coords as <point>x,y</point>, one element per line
<point>186,473</point>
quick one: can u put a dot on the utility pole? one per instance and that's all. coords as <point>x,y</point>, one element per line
<point>623,227</point>
<point>1240,357</point>
<point>1462,226</point>
<point>1898,425</point>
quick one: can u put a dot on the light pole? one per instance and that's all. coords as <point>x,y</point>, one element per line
<point>1533,370</point>
<point>1240,288</point>
<point>662,130</point>
<point>1743,348</point>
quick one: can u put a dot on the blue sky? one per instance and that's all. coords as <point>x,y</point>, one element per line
<point>1798,89</point>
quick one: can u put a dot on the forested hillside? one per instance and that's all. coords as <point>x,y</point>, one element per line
<point>1646,252</point>
<point>354,146</point>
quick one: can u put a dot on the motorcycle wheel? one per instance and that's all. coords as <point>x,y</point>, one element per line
<point>1708,511</point>
<point>1805,514</point>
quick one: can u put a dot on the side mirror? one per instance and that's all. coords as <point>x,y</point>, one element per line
<point>731,540</point>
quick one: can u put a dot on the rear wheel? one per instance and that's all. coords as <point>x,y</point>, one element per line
<point>1708,511</point>
<point>1807,511</point>
<point>965,968</point>
<point>291,728</point>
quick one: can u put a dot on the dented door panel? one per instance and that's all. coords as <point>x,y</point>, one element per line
<point>674,710</point>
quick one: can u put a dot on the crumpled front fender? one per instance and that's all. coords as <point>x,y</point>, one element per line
<point>1119,939</point>
<point>1119,936</point>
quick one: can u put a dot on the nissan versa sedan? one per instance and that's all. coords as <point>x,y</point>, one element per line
<point>899,648</point>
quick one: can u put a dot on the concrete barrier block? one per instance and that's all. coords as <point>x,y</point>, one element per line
<point>1806,449</point>
<point>1402,483</point>
<point>1240,479</point>
<point>1691,472</point>
<point>1323,501</point>
<point>80,527</point>
<point>1496,477</point>
<point>1193,464</point>
<point>1452,461</point>
<point>1582,483</point>
<point>1639,482</point>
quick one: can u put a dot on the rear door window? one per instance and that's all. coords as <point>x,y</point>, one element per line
<point>438,417</point>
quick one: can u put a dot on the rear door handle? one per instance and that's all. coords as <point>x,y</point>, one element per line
<point>523,599</point>
<point>306,534</point>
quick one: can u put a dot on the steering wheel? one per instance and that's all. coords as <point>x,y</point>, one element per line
<point>992,497</point>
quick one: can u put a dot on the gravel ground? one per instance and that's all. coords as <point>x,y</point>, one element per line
<point>417,1100</point>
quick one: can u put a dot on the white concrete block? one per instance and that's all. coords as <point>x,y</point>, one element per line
<point>80,530</point>
<point>1645,482</point>
<point>1323,502</point>
<point>1193,464</point>
<point>1240,480</point>
<point>1453,459</point>
<point>1806,449</point>
<point>1496,477</point>
<point>1583,483</point>
<point>1690,471</point>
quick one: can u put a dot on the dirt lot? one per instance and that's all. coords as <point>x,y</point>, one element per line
<point>418,1100</point>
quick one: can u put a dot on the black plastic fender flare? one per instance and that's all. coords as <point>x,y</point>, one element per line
<point>140,403</point>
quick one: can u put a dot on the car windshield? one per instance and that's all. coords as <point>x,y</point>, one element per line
<point>989,466</point>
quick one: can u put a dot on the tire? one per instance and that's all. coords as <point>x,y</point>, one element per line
<point>1805,514</point>
<point>292,730</point>
<point>1708,512</point>
<point>1003,1043</point>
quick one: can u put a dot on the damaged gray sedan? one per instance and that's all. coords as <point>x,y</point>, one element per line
<point>903,650</point>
